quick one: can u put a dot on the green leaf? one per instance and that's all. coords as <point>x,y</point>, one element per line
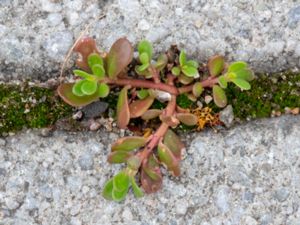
<point>94,59</point>
<point>119,196</point>
<point>167,158</point>
<point>185,79</point>
<point>215,65</point>
<point>144,58</point>
<point>142,67</point>
<point>118,58</point>
<point>121,182</point>
<point>222,81</point>
<point>182,58</point>
<point>128,143</point>
<point>245,74</point>
<point>108,189</point>
<point>134,162</point>
<point>219,96</point>
<point>143,93</point>
<point>236,66</point>
<point>89,87</point>
<point>103,90</point>
<point>139,107</point>
<point>190,71</point>
<point>244,85</point>
<point>175,71</point>
<point>188,119</point>
<point>172,141</point>
<point>151,114</point>
<point>83,74</point>
<point>138,193</point>
<point>162,61</point>
<point>145,47</point>
<point>192,63</point>
<point>123,114</point>
<point>118,157</point>
<point>77,88</point>
<point>66,93</point>
<point>197,89</point>
<point>98,70</point>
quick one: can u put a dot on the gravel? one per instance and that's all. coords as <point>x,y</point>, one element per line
<point>248,174</point>
<point>36,35</point>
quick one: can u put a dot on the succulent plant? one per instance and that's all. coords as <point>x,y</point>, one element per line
<point>164,78</point>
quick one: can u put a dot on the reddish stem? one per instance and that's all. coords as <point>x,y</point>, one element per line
<point>209,82</point>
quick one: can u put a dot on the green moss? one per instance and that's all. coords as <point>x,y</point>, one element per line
<point>268,93</point>
<point>31,107</point>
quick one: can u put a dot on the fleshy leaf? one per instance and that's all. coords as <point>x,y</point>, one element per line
<point>185,79</point>
<point>244,85</point>
<point>187,118</point>
<point>145,46</point>
<point>139,107</point>
<point>192,63</point>
<point>138,193</point>
<point>98,70</point>
<point>236,66</point>
<point>162,61</point>
<point>197,89</point>
<point>119,56</point>
<point>245,74</point>
<point>134,162</point>
<point>123,114</point>
<point>118,157</point>
<point>121,181</point>
<point>182,58</point>
<point>144,58</point>
<point>85,47</point>
<point>77,88</point>
<point>94,59</point>
<point>216,65</point>
<point>119,195</point>
<point>151,114</point>
<point>172,121</point>
<point>222,81</point>
<point>128,143</point>
<point>172,141</point>
<point>103,90</point>
<point>151,177</point>
<point>175,71</point>
<point>219,96</point>
<point>142,67</point>
<point>143,93</point>
<point>168,159</point>
<point>65,92</point>
<point>83,74</point>
<point>190,71</point>
<point>107,190</point>
<point>89,87</point>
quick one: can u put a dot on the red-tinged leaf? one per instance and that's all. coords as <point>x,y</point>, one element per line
<point>151,177</point>
<point>128,143</point>
<point>118,157</point>
<point>139,107</point>
<point>216,65</point>
<point>65,92</point>
<point>119,56</point>
<point>172,141</point>
<point>185,79</point>
<point>187,118</point>
<point>123,114</point>
<point>85,47</point>
<point>134,162</point>
<point>219,96</point>
<point>151,114</point>
<point>168,159</point>
<point>172,121</point>
<point>197,89</point>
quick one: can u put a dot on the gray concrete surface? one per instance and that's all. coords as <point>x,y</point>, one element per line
<point>247,175</point>
<point>35,35</point>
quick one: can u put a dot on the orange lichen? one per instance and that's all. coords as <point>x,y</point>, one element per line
<point>206,117</point>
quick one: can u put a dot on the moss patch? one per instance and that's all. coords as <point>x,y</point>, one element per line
<point>31,107</point>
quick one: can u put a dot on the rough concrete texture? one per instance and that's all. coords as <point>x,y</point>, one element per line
<point>247,175</point>
<point>35,35</point>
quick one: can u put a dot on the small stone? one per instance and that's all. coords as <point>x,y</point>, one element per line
<point>248,220</point>
<point>282,194</point>
<point>94,126</point>
<point>208,99</point>
<point>46,132</point>
<point>199,104</point>
<point>95,109</point>
<point>77,116</point>
<point>294,17</point>
<point>181,207</point>
<point>222,200</point>
<point>295,111</point>
<point>143,25</point>
<point>54,19</point>
<point>2,142</point>
<point>227,116</point>
<point>11,203</point>
<point>127,215</point>
<point>86,161</point>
